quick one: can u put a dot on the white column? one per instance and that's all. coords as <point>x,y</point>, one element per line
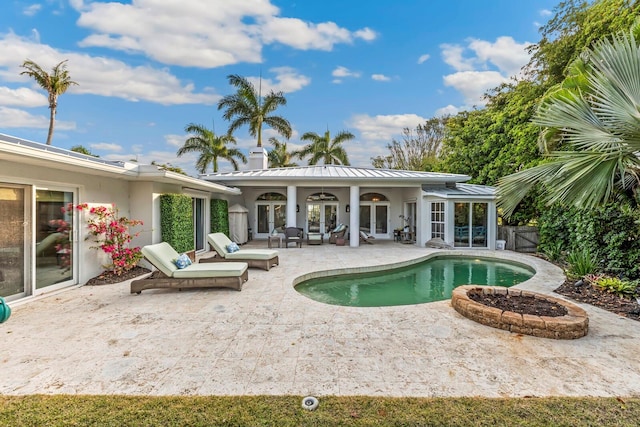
<point>292,202</point>
<point>354,216</point>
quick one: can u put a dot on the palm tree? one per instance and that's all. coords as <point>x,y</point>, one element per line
<point>330,151</point>
<point>210,147</point>
<point>600,130</point>
<point>279,157</point>
<point>55,84</point>
<point>247,107</point>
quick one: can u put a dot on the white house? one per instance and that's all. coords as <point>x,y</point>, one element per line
<point>37,180</point>
<point>422,205</point>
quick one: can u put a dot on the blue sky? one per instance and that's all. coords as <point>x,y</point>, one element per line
<point>147,68</point>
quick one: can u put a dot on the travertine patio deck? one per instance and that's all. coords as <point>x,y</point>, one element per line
<point>268,339</point>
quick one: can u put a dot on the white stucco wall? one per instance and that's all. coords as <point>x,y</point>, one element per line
<point>90,189</point>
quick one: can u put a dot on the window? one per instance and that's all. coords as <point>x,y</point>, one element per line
<point>437,220</point>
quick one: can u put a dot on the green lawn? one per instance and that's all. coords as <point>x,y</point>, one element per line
<point>68,410</point>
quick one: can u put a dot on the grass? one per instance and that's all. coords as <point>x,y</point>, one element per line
<point>79,410</point>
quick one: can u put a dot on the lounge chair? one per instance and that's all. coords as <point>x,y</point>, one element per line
<point>366,237</point>
<point>167,275</point>
<point>293,235</point>
<point>338,233</point>
<point>259,258</point>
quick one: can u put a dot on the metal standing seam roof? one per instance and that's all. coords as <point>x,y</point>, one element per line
<point>333,172</point>
<point>461,190</point>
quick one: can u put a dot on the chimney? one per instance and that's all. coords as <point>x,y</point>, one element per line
<point>258,158</point>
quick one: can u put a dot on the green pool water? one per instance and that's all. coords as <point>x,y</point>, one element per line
<point>427,281</point>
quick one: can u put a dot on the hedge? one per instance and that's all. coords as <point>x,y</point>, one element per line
<point>219,216</point>
<point>611,233</point>
<point>176,221</point>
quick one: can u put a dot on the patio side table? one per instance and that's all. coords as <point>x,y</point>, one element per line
<point>275,239</point>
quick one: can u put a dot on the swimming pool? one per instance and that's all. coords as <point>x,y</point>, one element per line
<point>427,281</point>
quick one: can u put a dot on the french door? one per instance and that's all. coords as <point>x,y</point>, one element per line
<point>374,219</point>
<point>321,217</point>
<point>270,215</point>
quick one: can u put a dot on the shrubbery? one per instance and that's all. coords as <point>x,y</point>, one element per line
<point>611,234</point>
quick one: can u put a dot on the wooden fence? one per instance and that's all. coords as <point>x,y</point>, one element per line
<point>519,238</point>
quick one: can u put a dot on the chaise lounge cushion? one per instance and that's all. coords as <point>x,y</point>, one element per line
<point>226,269</point>
<point>219,242</point>
<point>162,255</point>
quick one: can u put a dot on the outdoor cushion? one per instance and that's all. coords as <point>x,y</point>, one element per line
<point>256,254</point>
<point>219,269</point>
<point>161,255</point>
<point>232,247</point>
<point>182,261</point>
<point>219,241</point>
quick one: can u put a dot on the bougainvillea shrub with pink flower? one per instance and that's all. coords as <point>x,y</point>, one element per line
<point>112,235</point>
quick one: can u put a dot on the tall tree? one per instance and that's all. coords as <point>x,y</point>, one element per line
<point>600,130</point>
<point>323,148</point>
<point>501,139</point>
<point>576,25</point>
<point>55,84</point>
<point>280,157</point>
<point>418,150</point>
<point>210,147</point>
<point>248,107</point>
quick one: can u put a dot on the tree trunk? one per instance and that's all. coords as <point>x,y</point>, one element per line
<point>52,119</point>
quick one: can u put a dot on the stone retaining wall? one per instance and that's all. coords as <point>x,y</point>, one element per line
<point>574,324</point>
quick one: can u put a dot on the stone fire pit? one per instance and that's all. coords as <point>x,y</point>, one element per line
<point>574,324</point>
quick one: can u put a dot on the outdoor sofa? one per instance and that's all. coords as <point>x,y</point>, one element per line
<point>259,258</point>
<point>162,256</point>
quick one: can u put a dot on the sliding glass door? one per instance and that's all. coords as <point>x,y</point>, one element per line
<point>13,211</point>
<point>470,225</point>
<point>54,228</point>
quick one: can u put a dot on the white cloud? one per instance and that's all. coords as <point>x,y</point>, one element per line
<point>341,72</point>
<point>304,35</point>
<point>452,55</point>
<point>22,97</point>
<point>449,110</point>
<point>14,118</point>
<point>473,84</point>
<point>287,80</point>
<point>487,65</point>
<point>175,140</point>
<point>204,34</point>
<point>32,10</point>
<point>507,55</point>
<point>366,34</point>
<point>545,12</point>
<point>423,58</point>
<point>101,76</point>
<point>380,77</point>
<point>106,146</point>
<point>383,127</point>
